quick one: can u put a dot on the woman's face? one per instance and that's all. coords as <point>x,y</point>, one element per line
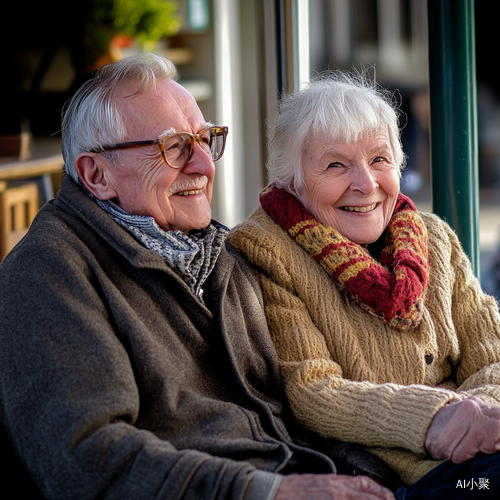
<point>352,188</point>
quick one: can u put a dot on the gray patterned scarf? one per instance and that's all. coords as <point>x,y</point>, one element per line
<point>192,257</point>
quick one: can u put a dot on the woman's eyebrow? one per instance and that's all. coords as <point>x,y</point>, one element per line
<point>378,148</point>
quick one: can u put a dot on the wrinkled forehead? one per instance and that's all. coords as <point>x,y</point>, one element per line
<point>161,106</point>
<point>330,137</point>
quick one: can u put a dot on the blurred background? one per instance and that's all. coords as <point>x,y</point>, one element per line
<point>236,57</point>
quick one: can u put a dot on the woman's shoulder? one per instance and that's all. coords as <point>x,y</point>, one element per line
<point>259,232</point>
<point>269,247</point>
<point>258,221</point>
<point>432,220</point>
<point>438,230</point>
<point>445,250</point>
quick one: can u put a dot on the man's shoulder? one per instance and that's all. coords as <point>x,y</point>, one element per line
<point>230,261</point>
<point>62,216</point>
<point>61,233</point>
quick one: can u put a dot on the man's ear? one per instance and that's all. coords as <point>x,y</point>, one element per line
<point>93,174</point>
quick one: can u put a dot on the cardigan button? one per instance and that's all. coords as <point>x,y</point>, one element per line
<point>429,358</point>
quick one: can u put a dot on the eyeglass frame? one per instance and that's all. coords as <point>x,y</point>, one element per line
<point>160,141</point>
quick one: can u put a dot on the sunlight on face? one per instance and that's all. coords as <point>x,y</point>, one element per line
<point>352,188</point>
<point>176,198</point>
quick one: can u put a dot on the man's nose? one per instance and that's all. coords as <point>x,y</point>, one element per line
<point>200,161</point>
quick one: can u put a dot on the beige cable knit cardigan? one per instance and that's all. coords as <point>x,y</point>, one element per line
<point>350,376</point>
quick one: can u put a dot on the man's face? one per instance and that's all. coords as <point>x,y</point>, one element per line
<point>143,184</point>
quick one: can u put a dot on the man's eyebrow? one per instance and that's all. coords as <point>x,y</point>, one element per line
<point>167,132</point>
<point>206,125</point>
<point>172,130</point>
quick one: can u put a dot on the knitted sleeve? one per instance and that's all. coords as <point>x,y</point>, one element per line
<point>320,396</point>
<point>324,401</point>
<point>475,316</point>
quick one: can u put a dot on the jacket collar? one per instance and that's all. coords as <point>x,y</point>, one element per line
<point>73,200</point>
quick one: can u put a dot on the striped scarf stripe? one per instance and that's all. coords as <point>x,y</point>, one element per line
<point>390,290</point>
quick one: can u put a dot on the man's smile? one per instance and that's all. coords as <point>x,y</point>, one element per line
<point>188,193</point>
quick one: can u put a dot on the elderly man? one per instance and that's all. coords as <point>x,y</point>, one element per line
<point>135,360</point>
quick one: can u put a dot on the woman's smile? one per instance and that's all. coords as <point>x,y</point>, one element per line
<point>352,187</point>
<point>360,209</point>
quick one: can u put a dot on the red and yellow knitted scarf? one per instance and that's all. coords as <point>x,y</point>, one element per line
<point>392,289</point>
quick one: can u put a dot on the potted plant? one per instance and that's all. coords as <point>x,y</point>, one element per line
<point>116,23</point>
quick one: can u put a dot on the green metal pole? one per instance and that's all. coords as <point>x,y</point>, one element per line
<point>452,86</point>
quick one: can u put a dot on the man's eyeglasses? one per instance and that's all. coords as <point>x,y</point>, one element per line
<point>177,149</point>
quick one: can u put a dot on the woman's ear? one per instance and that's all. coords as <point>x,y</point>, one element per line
<point>93,173</point>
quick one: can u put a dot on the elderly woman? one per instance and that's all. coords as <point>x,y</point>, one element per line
<point>384,335</point>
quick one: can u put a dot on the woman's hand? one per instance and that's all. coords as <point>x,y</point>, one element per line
<point>330,487</point>
<point>461,430</point>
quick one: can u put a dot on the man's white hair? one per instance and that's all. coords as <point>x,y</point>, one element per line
<point>91,119</point>
<point>343,106</point>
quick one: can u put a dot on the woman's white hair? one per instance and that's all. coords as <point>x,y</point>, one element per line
<point>91,118</point>
<point>344,106</point>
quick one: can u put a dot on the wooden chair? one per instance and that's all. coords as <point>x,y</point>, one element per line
<point>18,207</point>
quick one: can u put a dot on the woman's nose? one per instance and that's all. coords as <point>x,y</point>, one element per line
<point>364,180</point>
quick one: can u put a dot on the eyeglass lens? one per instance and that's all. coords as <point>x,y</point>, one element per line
<point>178,148</point>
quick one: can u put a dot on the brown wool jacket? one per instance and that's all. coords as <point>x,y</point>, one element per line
<point>350,376</point>
<point>116,382</point>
